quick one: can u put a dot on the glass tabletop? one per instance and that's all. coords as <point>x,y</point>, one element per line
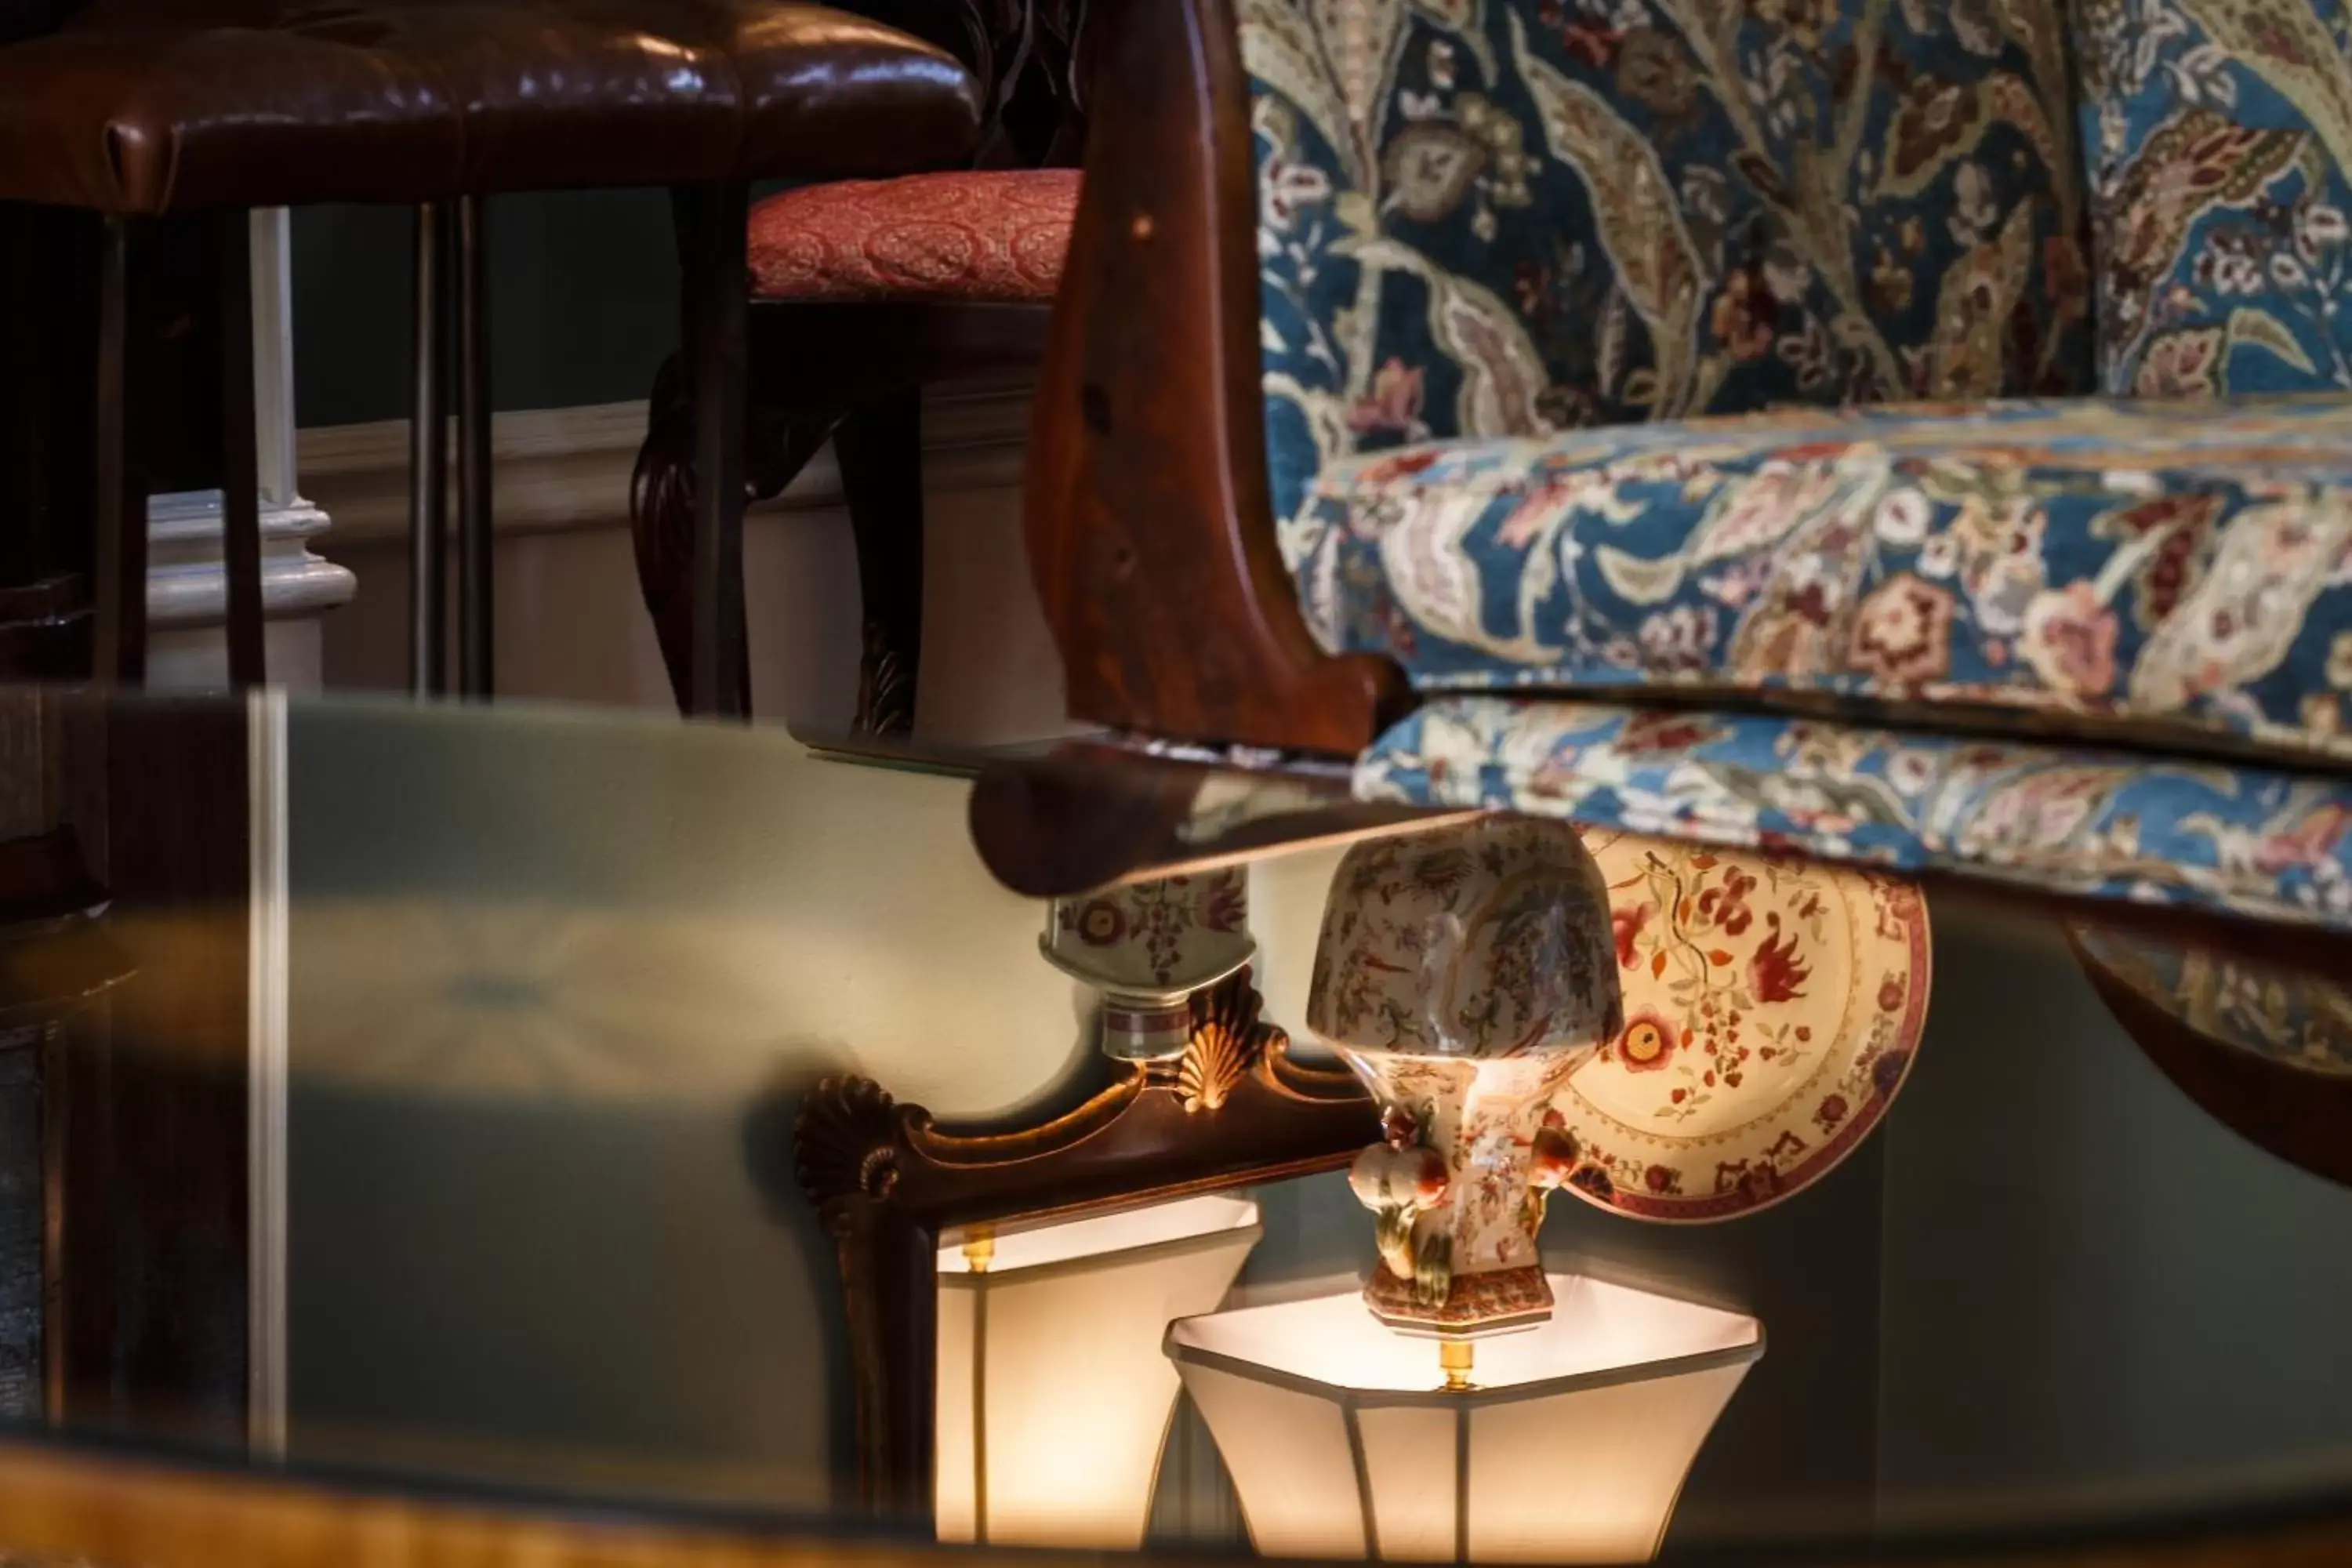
<point>425,1095</point>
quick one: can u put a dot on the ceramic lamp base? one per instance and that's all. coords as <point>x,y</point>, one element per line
<point>1474,1304</point>
<point>1137,1030</point>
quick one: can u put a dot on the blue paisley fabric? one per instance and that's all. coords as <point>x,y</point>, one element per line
<point>2219,134</point>
<point>2272,844</point>
<point>1512,217</point>
<point>1512,252</point>
<point>2183,566</point>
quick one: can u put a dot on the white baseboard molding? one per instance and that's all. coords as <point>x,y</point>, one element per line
<point>562,469</point>
<point>187,573</point>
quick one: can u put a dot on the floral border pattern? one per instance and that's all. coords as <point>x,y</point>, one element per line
<point>1781,1077</point>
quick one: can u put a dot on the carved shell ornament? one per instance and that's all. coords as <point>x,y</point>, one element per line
<point>1214,1062</point>
<point>841,1145</point>
<point>1227,1042</point>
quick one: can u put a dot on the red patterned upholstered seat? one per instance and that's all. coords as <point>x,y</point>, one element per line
<point>977,235</point>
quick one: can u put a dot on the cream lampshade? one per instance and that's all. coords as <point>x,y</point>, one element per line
<point>1054,1398</point>
<point>1563,1443</point>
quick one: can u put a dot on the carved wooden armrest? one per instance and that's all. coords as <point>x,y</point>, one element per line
<point>1150,530</point>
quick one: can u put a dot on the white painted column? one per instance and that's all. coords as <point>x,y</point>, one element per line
<point>187,576</point>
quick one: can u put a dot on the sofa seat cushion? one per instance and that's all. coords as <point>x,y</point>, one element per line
<point>2271,842</point>
<point>976,236</point>
<point>2180,572</point>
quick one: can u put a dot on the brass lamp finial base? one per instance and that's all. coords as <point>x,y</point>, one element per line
<point>1456,1357</point>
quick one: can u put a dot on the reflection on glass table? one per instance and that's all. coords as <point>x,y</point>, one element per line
<point>430,1131</point>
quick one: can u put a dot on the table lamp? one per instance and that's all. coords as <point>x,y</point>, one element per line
<point>1452,1411</point>
<point>1054,1401</point>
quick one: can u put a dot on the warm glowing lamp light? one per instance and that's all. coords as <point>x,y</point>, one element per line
<point>1569,1443</point>
<point>1054,1398</point>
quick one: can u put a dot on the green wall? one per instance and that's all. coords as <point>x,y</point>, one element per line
<point>584,301</point>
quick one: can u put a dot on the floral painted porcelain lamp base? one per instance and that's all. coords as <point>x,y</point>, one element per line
<point>1463,974</point>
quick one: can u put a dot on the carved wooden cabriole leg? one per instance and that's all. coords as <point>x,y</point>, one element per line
<point>661,520</point>
<point>880,449</point>
<point>1232,1111</point>
<point>780,442</point>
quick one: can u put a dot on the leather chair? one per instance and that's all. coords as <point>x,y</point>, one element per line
<point>140,109</point>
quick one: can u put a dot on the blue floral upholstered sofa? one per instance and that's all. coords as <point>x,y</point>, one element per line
<point>1907,431</point>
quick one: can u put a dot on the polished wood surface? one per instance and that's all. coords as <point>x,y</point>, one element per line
<point>1087,816</point>
<point>1149,527</point>
<point>111,1511</point>
<point>476,1255</point>
<point>118,1511</point>
<point>2304,1118</point>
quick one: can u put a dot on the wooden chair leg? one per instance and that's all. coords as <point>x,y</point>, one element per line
<point>119,638</point>
<point>778,444</point>
<point>477,628</point>
<point>428,473</point>
<point>240,460</point>
<point>718,294</point>
<point>661,524</point>
<point>880,449</point>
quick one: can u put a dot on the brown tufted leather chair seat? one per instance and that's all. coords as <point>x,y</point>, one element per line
<point>154,106</point>
<point>137,109</point>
